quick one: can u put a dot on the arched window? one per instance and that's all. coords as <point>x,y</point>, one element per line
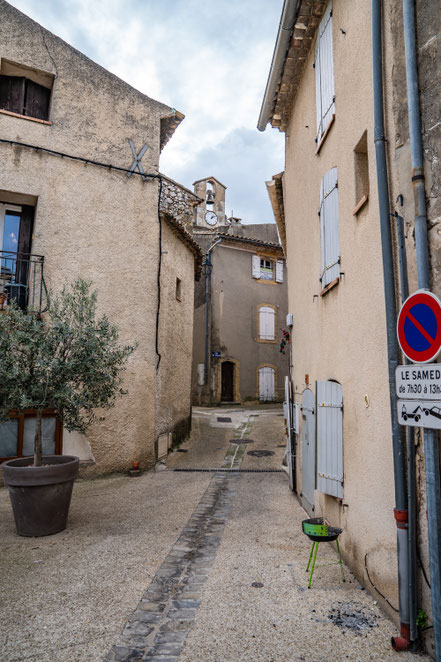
<point>266,323</point>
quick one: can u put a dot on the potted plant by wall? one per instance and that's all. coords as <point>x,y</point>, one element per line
<point>69,363</point>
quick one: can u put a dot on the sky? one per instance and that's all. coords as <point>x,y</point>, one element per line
<point>208,59</point>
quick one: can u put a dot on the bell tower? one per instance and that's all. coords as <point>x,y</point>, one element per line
<point>211,212</point>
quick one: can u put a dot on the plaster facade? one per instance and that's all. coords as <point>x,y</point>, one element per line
<point>233,335</point>
<point>339,331</point>
<point>100,224</point>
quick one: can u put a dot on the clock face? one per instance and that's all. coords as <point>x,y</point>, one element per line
<point>211,218</point>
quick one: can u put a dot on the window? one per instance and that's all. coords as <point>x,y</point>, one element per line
<point>16,223</point>
<point>266,324</point>
<point>25,91</point>
<point>324,76</point>
<point>264,268</point>
<point>178,289</point>
<point>330,438</point>
<point>361,172</point>
<point>329,232</point>
<point>17,435</point>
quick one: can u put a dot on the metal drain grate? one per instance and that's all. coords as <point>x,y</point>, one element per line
<point>233,471</point>
<point>239,442</point>
<point>223,419</point>
<point>260,453</point>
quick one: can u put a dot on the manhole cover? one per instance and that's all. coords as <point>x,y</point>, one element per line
<point>182,450</point>
<point>257,585</point>
<point>260,453</point>
<point>241,441</point>
<point>223,419</point>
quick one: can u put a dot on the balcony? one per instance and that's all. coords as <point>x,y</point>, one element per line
<point>22,281</point>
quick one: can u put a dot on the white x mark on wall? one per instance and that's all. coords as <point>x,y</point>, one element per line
<point>137,160</point>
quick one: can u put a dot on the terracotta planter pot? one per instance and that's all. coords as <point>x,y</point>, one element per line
<point>40,496</point>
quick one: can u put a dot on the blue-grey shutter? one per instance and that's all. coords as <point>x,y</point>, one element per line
<point>329,231</point>
<point>330,438</point>
<point>324,73</point>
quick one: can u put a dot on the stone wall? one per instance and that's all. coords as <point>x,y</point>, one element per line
<point>178,201</point>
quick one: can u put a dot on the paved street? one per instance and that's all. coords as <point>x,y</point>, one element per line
<point>187,566</point>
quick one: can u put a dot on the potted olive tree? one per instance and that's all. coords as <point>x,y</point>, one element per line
<point>69,363</point>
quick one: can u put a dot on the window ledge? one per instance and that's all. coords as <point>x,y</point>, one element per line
<point>25,117</point>
<point>268,282</point>
<point>267,342</point>
<point>329,286</point>
<point>324,136</point>
<point>360,204</point>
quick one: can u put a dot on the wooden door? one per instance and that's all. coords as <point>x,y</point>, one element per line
<point>227,381</point>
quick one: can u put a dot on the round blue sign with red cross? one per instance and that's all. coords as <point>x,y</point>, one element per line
<point>419,327</point>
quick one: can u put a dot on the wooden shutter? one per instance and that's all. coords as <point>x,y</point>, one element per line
<point>266,384</point>
<point>37,100</point>
<point>266,323</point>
<point>279,271</point>
<point>329,230</point>
<point>330,438</point>
<point>255,266</point>
<point>23,273</point>
<point>324,73</point>
<point>12,93</point>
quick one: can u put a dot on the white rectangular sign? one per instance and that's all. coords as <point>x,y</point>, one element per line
<point>419,382</point>
<point>420,413</point>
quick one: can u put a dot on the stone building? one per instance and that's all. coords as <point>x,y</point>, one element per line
<point>79,195</point>
<point>240,306</point>
<point>326,204</point>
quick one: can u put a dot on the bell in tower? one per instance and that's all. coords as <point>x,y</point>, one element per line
<point>211,212</point>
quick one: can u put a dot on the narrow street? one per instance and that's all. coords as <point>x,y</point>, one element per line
<point>185,564</point>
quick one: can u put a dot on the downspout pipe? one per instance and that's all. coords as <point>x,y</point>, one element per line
<point>400,511</point>
<point>411,470</point>
<point>431,442</point>
<point>208,266</point>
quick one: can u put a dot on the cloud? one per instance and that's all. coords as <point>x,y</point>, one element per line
<point>207,58</point>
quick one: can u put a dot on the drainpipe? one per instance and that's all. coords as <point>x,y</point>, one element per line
<point>431,443</point>
<point>400,511</point>
<point>411,475</point>
<point>208,268</point>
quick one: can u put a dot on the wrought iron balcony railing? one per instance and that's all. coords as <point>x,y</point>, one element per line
<point>22,281</point>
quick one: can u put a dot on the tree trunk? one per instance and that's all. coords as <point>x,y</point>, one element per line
<point>38,446</point>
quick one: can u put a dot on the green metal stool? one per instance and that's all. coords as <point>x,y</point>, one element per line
<point>318,532</point>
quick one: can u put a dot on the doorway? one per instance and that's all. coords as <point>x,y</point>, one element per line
<point>267,384</point>
<point>227,393</point>
<point>308,451</point>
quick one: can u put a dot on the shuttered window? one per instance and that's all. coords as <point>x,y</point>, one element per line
<point>329,231</point>
<point>330,438</point>
<point>24,97</point>
<point>279,271</point>
<point>255,266</point>
<point>324,74</point>
<point>267,323</point>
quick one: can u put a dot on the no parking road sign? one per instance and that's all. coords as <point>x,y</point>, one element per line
<point>419,327</point>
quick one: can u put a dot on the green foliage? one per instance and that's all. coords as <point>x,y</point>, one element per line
<point>422,619</point>
<point>70,362</point>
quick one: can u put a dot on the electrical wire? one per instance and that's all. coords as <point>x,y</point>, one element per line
<point>158,354</point>
<point>107,166</point>
<point>376,589</point>
<point>423,569</point>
